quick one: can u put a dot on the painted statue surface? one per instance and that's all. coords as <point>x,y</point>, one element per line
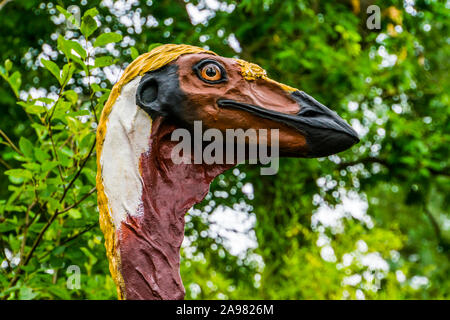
<point>143,194</point>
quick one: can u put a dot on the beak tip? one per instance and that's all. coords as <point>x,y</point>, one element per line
<point>326,145</point>
<point>355,136</point>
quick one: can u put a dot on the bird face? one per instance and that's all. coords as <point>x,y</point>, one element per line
<point>226,93</point>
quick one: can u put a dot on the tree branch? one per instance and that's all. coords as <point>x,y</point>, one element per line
<point>79,201</point>
<point>11,144</point>
<point>41,234</point>
<point>3,162</point>
<point>70,239</point>
<point>25,231</point>
<point>78,172</point>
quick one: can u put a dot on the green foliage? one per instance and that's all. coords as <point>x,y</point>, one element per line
<point>106,38</point>
<point>52,191</point>
<point>14,80</point>
<point>392,84</point>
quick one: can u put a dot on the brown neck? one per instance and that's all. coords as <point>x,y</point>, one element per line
<point>150,244</point>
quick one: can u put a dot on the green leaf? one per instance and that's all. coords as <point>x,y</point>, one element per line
<point>63,159</point>
<point>49,165</point>
<point>45,100</point>
<point>42,157</point>
<point>60,111</point>
<point>15,81</point>
<point>71,95</point>
<point>13,242</point>
<point>105,61</point>
<point>35,109</point>
<point>85,143</point>
<point>75,214</point>
<point>28,268</point>
<point>79,113</point>
<point>8,65</point>
<point>26,293</point>
<point>62,46</point>
<point>63,106</point>
<point>67,151</point>
<point>59,250</point>
<point>90,174</point>
<point>134,53</point>
<point>32,108</point>
<point>67,73</point>
<point>77,48</point>
<point>88,26</point>
<point>53,68</point>
<point>58,292</point>
<point>66,47</point>
<point>96,88</point>
<point>106,38</point>
<point>7,226</point>
<point>81,63</point>
<point>19,173</point>
<point>32,166</point>
<point>91,12</point>
<point>26,147</point>
<point>40,129</point>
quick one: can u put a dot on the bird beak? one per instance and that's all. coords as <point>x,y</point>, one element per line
<point>326,133</point>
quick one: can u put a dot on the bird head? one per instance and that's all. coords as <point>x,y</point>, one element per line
<point>226,93</point>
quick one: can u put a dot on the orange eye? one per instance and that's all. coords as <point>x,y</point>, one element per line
<point>211,72</point>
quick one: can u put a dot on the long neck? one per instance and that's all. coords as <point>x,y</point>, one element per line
<point>150,242</point>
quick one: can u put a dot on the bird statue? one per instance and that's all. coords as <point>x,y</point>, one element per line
<point>143,194</point>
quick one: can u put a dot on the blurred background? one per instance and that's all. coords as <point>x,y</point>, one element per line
<point>369,223</point>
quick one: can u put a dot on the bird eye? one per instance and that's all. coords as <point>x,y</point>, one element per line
<point>211,72</point>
